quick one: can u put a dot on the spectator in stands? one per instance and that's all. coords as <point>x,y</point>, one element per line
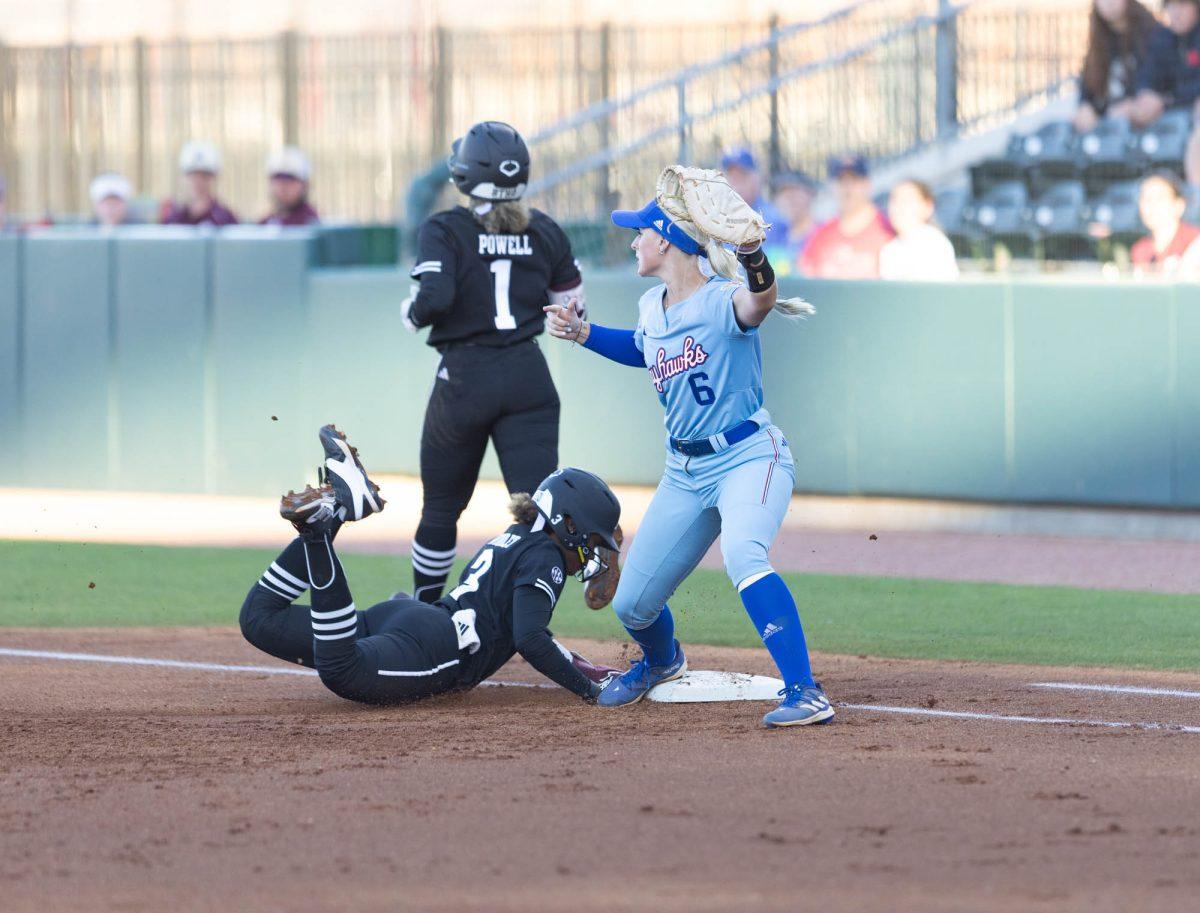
<point>200,163</point>
<point>1170,75</point>
<point>110,194</point>
<point>848,245</point>
<point>741,169</point>
<point>1172,249</point>
<point>289,171</point>
<point>920,251</point>
<point>1118,34</point>
<point>794,193</point>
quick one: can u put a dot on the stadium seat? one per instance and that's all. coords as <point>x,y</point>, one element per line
<point>1108,155</point>
<point>1041,159</point>
<point>1050,155</point>
<point>1116,209</point>
<point>949,211</point>
<point>1001,214</point>
<point>1056,219</point>
<point>1162,144</point>
<point>992,172</point>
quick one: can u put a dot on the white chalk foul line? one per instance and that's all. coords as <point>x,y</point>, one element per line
<point>1115,689</point>
<point>874,708</point>
<point>203,667</point>
<point>144,661</point>
<point>1003,718</point>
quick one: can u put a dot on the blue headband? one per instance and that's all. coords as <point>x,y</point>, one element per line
<point>651,216</point>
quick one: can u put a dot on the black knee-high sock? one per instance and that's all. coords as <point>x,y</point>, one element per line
<point>287,576</point>
<point>334,616</point>
<point>433,554</point>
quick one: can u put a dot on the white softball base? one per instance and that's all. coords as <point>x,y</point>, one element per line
<point>704,687</point>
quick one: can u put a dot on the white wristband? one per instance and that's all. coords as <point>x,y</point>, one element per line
<point>406,308</point>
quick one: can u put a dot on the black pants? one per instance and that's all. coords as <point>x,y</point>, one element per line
<point>402,650</point>
<point>503,395</point>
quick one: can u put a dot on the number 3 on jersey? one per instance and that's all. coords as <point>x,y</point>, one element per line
<point>502,270</point>
<point>482,565</point>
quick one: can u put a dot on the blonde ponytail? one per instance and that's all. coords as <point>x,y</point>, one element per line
<point>505,218</point>
<point>794,307</point>
<point>722,260</point>
<point>724,263</point>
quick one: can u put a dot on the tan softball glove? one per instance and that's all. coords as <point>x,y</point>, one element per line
<point>703,197</point>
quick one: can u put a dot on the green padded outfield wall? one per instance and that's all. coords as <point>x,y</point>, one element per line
<point>164,361</point>
<point>11,470</point>
<point>160,302</point>
<point>68,349</point>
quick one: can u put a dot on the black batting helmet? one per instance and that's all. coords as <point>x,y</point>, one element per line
<point>584,499</point>
<point>490,163</point>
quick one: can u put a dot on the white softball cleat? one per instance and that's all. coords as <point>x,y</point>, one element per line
<point>344,471</point>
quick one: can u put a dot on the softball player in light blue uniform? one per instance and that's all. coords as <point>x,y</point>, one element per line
<point>729,471</point>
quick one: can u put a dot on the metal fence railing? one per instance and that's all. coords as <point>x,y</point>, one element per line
<point>375,110</point>
<point>371,110</point>
<point>871,78</point>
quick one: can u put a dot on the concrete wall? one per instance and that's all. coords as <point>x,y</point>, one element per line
<point>207,363</point>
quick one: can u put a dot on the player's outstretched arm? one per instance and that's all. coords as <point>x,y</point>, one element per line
<point>755,300</point>
<point>567,322</point>
<point>531,634</point>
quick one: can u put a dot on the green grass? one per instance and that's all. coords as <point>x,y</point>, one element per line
<point>47,584</point>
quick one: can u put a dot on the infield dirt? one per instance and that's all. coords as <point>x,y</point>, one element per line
<point>147,789</point>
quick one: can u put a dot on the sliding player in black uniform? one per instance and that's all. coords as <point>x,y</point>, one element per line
<point>485,270</point>
<point>404,649</point>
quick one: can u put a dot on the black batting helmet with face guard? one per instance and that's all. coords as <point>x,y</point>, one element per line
<point>578,505</point>
<point>490,163</point>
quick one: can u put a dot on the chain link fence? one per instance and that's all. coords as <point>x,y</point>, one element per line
<point>371,110</point>
<point>606,106</point>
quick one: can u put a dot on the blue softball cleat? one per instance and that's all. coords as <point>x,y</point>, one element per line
<point>802,705</point>
<point>633,685</point>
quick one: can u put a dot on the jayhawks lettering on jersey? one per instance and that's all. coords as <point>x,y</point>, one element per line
<point>706,369</point>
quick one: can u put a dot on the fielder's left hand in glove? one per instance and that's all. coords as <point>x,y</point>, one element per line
<point>705,198</point>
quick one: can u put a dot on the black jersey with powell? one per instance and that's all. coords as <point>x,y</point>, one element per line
<point>485,288</point>
<point>513,584</point>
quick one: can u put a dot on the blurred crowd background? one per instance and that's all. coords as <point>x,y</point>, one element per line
<point>901,139</point>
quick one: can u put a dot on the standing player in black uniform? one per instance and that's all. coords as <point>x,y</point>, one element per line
<point>404,649</point>
<point>485,270</point>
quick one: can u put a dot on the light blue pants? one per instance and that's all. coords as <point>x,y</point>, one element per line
<point>741,494</point>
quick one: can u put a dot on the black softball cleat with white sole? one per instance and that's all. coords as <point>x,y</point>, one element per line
<point>314,512</point>
<point>344,471</point>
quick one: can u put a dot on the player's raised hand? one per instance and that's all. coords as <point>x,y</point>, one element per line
<point>564,321</point>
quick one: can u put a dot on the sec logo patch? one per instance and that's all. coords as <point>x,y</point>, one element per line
<point>557,576</point>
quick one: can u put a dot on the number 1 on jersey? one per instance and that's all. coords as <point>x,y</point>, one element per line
<point>502,270</point>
